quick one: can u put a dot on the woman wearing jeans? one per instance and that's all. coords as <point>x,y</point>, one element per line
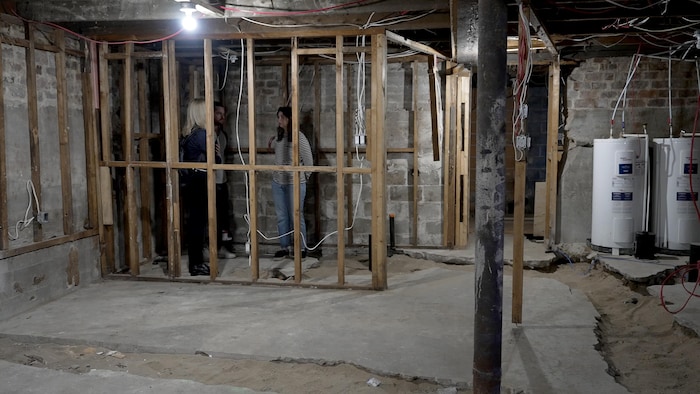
<point>282,181</point>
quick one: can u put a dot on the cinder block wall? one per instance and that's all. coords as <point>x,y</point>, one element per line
<point>592,90</point>
<point>31,278</point>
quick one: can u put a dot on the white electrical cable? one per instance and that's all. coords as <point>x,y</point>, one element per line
<point>22,224</point>
<point>246,217</point>
<point>630,74</point>
<point>519,113</point>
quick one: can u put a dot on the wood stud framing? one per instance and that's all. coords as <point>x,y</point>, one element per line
<point>69,231</point>
<point>552,155</point>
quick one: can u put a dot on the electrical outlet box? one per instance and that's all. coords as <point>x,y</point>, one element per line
<point>42,217</point>
<point>522,142</point>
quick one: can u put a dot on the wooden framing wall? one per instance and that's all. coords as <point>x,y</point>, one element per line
<point>456,157</point>
<point>376,152</point>
<point>69,231</point>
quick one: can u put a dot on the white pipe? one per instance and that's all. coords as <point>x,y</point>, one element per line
<point>645,197</point>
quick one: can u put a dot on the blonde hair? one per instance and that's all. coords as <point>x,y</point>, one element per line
<point>196,116</point>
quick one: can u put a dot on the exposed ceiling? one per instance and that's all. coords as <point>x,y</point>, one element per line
<point>574,29</point>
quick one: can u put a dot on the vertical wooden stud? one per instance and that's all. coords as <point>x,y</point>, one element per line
<point>416,144</point>
<point>295,159</point>
<point>172,133</point>
<point>340,149</point>
<point>448,162</point>
<point>211,141</point>
<point>33,112</point>
<point>131,223</point>
<point>253,202</point>
<point>378,158</point>
<point>144,173</point>
<point>63,140</point>
<point>552,166</point>
<point>518,239</point>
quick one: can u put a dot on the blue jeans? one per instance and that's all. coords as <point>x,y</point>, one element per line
<point>283,195</point>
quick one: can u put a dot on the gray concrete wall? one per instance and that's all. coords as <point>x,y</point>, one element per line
<point>592,90</point>
<point>31,278</point>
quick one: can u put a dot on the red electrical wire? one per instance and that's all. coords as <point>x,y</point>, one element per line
<point>681,271</point>
<point>88,39</point>
<point>301,12</point>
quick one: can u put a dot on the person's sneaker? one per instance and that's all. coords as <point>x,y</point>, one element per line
<point>291,255</point>
<point>225,254</point>
<point>281,253</point>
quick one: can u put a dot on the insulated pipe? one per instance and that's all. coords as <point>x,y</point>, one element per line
<point>490,194</point>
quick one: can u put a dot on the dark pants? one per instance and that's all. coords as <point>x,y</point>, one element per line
<point>222,220</point>
<point>195,193</point>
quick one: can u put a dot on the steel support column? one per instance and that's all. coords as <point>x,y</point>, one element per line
<point>490,194</point>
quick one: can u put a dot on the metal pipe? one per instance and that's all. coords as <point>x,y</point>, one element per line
<point>490,194</point>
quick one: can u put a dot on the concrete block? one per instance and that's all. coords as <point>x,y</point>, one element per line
<point>575,196</point>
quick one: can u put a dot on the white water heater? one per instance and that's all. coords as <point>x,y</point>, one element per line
<point>619,192</point>
<point>676,223</point>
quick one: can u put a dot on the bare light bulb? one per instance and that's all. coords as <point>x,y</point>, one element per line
<point>189,23</point>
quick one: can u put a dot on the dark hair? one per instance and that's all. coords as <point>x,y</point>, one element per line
<point>287,112</point>
<point>218,104</point>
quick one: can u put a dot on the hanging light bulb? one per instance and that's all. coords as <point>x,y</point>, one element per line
<point>189,23</point>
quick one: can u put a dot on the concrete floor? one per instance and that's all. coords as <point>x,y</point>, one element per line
<point>421,327</point>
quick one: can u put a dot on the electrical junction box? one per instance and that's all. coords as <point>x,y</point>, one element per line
<point>522,142</point>
<point>42,217</point>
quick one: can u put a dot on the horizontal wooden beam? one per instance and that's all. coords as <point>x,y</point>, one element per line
<point>393,37</point>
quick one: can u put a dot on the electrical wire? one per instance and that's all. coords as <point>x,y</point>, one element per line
<point>630,74</point>
<point>88,39</point>
<point>246,216</point>
<point>681,272</point>
<point>24,223</point>
<point>299,12</point>
<point>522,82</point>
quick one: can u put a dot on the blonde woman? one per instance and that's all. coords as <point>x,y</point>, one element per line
<point>194,149</point>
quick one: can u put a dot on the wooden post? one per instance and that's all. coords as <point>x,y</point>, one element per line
<point>463,91</point>
<point>378,158</point>
<point>253,203</point>
<point>144,173</point>
<point>131,224</point>
<point>434,107</point>
<point>552,166</point>
<point>295,160</point>
<point>211,142</point>
<point>108,257</point>
<point>316,144</point>
<point>63,140</point>
<point>91,147</point>
<point>172,133</point>
<point>33,121</point>
<point>448,162</point>
<point>340,149</point>
<point>518,239</point>
<point>466,83</point>
<point>416,143</point>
